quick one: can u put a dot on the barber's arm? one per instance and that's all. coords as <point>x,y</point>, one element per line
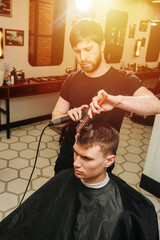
<point>62,108</point>
<point>142,102</point>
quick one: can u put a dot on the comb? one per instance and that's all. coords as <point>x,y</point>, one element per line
<point>86,120</point>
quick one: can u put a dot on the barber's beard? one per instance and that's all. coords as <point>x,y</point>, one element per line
<point>92,65</point>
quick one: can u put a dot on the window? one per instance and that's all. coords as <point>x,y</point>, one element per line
<point>46,32</point>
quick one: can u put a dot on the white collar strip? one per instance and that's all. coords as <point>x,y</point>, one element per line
<point>96,185</point>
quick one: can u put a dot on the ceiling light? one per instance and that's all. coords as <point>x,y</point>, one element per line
<point>83,5</point>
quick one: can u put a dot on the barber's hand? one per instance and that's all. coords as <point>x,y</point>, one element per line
<point>109,103</point>
<point>76,113</point>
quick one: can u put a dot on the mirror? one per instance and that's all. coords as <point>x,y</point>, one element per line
<point>153,49</point>
<point>1,42</point>
<point>46,32</point>
<point>115,31</point>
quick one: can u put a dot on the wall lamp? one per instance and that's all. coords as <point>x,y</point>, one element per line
<point>83,5</point>
<point>1,42</point>
<point>138,47</point>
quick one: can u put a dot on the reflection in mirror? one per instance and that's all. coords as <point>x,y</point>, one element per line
<point>46,32</point>
<point>153,49</point>
<point>115,31</point>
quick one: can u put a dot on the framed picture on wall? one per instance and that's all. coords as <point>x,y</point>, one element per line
<point>132,29</point>
<point>14,37</point>
<point>6,8</point>
<point>143,26</point>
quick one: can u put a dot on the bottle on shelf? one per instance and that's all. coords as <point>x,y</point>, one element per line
<point>13,74</point>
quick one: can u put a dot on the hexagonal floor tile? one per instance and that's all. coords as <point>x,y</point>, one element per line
<point>10,140</point>
<point>26,172</point>
<point>119,159</point>
<point>8,174</point>
<point>127,126</point>
<point>28,153</point>
<point>18,132</point>
<point>18,163</point>
<point>34,132</point>
<point>41,162</point>
<point>136,136</point>
<point>143,155</point>
<point>53,145</point>
<point>27,139</point>
<point>37,183</point>
<point>48,172</point>
<point>53,160</point>
<point>40,126</point>
<point>125,131</point>
<point>18,146</point>
<point>8,154</point>
<point>137,130</point>
<point>146,141</point>
<point>132,157</point>
<point>17,186</point>
<point>34,145</point>
<point>145,148</point>
<point>46,139</point>
<point>147,135</point>
<point>3,164</point>
<point>7,201</point>
<point>56,138</point>
<point>3,146</point>
<point>124,137</point>
<point>117,169</point>
<point>133,149</point>
<point>136,125</point>
<point>131,167</point>
<point>123,143</point>
<point>2,187</point>
<point>50,132</point>
<point>135,142</point>
<point>130,178</point>
<point>48,153</point>
<point>121,151</point>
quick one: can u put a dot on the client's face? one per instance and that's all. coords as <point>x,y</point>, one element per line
<point>89,163</point>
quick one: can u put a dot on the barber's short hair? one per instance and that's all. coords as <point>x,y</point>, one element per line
<point>86,29</point>
<point>99,134</point>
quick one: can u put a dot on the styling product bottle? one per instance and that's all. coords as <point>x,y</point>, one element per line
<point>6,69</point>
<point>13,75</point>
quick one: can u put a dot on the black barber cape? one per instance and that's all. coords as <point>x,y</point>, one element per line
<point>64,209</point>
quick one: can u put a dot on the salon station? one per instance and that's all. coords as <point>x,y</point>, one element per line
<point>35,59</point>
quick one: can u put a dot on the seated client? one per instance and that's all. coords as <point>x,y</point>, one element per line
<point>85,203</point>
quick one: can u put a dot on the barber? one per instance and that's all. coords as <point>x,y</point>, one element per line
<point>125,91</point>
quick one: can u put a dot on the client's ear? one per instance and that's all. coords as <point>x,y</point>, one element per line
<point>109,160</point>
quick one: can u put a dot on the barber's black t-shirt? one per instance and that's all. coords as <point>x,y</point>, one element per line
<point>79,89</point>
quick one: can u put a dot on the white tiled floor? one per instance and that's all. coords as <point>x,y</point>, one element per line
<point>17,156</point>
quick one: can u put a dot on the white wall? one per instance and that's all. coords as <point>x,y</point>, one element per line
<point>18,56</point>
<point>152,164</point>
